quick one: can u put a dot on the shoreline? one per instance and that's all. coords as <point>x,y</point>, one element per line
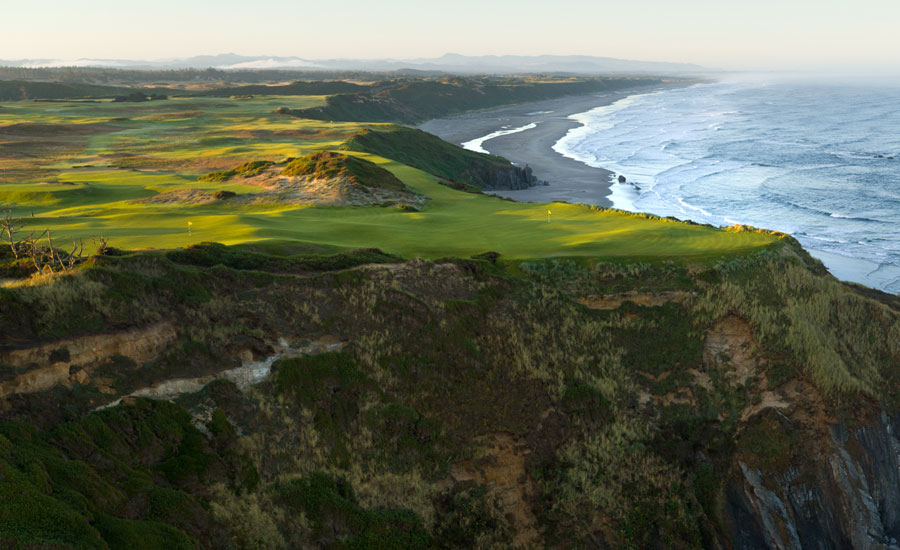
<point>503,132</point>
<point>569,180</point>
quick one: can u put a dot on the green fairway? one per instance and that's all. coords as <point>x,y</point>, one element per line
<point>80,181</point>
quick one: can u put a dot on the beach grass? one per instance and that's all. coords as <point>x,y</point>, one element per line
<point>89,160</point>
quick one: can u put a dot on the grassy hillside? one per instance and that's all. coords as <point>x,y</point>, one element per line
<point>355,170</point>
<point>471,404</point>
<point>18,90</point>
<point>77,167</point>
<point>39,141</point>
<point>21,90</point>
<point>418,100</point>
<point>243,170</point>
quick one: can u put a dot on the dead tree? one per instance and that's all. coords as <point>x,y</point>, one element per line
<point>43,256</point>
<point>11,226</point>
<point>36,251</point>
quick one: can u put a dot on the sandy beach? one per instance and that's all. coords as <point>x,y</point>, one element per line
<point>568,179</point>
<point>542,124</point>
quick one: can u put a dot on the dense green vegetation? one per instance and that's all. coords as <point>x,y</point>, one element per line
<point>329,165</point>
<point>209,77</point>
<point>107,480</point>
<point>94,160</point>
<point>448,368</point>
<point>418,100</point>
<point>78,88</point>
<point>387,99</point>
<point>212,254</point>
<point>244,170</point>
<point>430,154</point>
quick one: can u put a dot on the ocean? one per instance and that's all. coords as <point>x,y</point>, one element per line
<point>819,161</point>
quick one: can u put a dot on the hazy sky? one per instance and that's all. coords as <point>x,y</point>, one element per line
<point>719,33</point>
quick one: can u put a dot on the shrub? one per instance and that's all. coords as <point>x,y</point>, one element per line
<point>331,165</point>
<point>337,521</point>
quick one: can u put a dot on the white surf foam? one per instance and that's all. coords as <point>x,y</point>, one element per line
<point>724,153</point>
<point>477,144</point>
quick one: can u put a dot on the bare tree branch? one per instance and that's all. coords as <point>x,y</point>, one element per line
<point>11,226</point>
<point>43,257</point>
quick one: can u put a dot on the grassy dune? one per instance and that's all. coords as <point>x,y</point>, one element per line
<point>76,166</point>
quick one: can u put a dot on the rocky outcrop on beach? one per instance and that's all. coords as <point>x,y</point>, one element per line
<point>516,177</point>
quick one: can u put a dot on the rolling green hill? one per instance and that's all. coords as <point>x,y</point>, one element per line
<point>86,165</point>
<point>279,395</point>
<point>355,170</point>
<point>409,102</point>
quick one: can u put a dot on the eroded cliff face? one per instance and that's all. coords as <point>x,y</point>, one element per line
<point>847,495</point>
<point>72,361</point>
<point>516,177</point>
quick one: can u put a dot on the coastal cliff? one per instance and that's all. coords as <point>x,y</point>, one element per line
<point>848,496</point>
<point>251,400</point>
<point>509,178</point>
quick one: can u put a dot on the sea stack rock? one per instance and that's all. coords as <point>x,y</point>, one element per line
<point>621,178</point>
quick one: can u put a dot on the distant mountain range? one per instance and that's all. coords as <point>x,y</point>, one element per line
<point>452,63</point>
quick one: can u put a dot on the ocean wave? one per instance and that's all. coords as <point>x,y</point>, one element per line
<point>858,218</point>
<point>809,209</point>
<point>823,239</point>
<point>783,156</point>
<point>622,195</point>
<point>697,209</point>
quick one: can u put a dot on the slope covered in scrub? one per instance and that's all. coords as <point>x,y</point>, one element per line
<point>331,164</point>
<point>412,101</point>
<point>431,154</point>
<point>453,404</point>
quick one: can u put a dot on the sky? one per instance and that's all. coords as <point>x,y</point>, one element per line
<point>728,34</point>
